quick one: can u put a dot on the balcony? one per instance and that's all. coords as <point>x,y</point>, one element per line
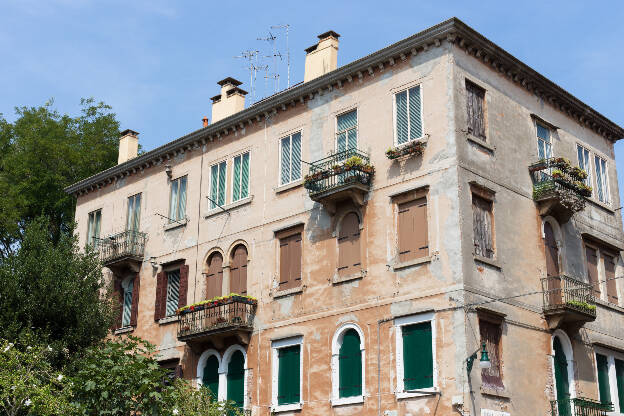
<point>579,407</point>
<point>567,300</point>
<point>212,321</point>
<point>123,250</point>
<point>558,188</point>
<point>343,175</point>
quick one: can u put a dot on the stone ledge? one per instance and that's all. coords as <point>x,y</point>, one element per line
<point>288,186</point>
<point>488,261</point>
<point>410,263</point>
<point>123,330</point>
<point>491,391</point>
<point>168,319</point>
<point>287,292</point>
<point>226,208</point>
<point>342,279</point>
<point>480,142</point>
<point>175,224</point>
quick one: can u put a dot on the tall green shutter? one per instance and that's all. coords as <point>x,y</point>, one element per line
<point>402,132</point>
<point>619,376</point>
<point>245,176</point>
<point>288,375</point>
<point>561,379</point>
<point>295,160</point>
<point>417,356</point>
<point>237,179</point>
<point>214,185</point>
<point>603,378</point>
<point>414,113</point>
<point>210,379</point>
<point>236,379</point>
<point>350,365</point>
<point>182,199</point>
<point>285,168</point>
<point>221,194</point>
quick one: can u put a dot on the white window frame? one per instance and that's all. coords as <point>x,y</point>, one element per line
<point>589,180</point>
<point>232,177</point>
<point>133,197</point>
<point>178,179</point>
<point>538,139</point>
<point>394,114</point>
<point>223,371</point>
<point>605,178</point>
<point>399,323</point>
<point>225,196</point>
<point>279,176</point>
<point>618,408</point>
<point>336,400</point>
<point>357,127</point>
<point>275,347</point>
<point>566,344</point>
<point>91,227</point>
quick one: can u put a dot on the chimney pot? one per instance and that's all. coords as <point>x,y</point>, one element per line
<point>128,146</point>
<point>205,121</point>
<point>322,57</point>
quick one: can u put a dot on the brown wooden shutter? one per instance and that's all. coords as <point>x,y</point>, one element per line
<point>184,272</point>
<point>413,232</point>
<point>295,260</point>
<point>475,97</point>
<point>238,271</point>
<point>349,245</point>
<point>491,335</point>
<point>161,293</point>
<point>609,265</point>
<point>592,269</point>
<point>482,226</point>
<point>284,276</point>
<point>134,311</point>
<point>214,278</point>
<point>118,303</point>
<point>421,237</point>
<point>551,251</point>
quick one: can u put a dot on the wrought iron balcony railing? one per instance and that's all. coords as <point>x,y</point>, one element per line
<point>579,407</point>
<point>555,178</point>
<point>124,245</point>
<point>218,317</point>
<point>565,293</point>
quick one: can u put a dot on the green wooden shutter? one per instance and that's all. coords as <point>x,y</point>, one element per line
<point>214,185</point>
<point>402,134</point>
<point>285,168</point>
<point>619,376</point>
<point>221,194</point>
<point>288,375</point>
<point>210,379</point>
<point>182,199</point>
<point>417,356</point>
<point>415,119</point>
<point>603,378</point>
<point>347,133</point>
<point>236,379</point>
<point>350,365</point>
<point>237,179</point>
<point>245,176</point>
<point>295,159</point>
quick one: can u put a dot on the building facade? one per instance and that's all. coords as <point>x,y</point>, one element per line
<point>381,224</point>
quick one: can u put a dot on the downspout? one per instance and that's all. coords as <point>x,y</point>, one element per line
<point>381,321</point>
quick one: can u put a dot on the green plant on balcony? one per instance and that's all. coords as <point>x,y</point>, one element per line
<point>581,305</point>
<point>415,147</point>
<point>578,173</point>
<point>583,189</point>
<point>561,163</point>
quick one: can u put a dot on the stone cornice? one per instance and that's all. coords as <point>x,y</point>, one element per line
<point>452,31</point>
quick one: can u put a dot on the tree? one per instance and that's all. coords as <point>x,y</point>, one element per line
<point>43,152</point>
<point>54,290</point>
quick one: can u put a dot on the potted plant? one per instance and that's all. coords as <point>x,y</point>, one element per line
<point>578,173</point>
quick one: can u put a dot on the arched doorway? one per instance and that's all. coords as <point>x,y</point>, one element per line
<point>238,270</point>
<point>210,378</point>
<point>561,363</point>
<point>236,379</point>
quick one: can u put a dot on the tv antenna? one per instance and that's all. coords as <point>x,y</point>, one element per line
<point>286,27</point>
<point>271,38</point>
<point>253,67</point>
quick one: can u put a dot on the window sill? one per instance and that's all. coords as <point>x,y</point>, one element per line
<point>286,407</point>
<point>287,292</point>
<point>410,263</point>
<point>239,203</point>
<point>288,186</point>
<point>123,330</point>
<point>342,279</point>
<point>420,393</point>
<point>488,261</point>
<point>493,391</point>
<point>609,305</point>
<point>480,142</point>
<point>168,320</point>
<point>174,225</point>
<point>602,205</point>
<point>343,401</point>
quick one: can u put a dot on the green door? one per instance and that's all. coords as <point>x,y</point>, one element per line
<point>211,376</point>
<point>236,380</point>
<point>603,378</point>
<point>350,365</point>
<point>561,380</point>
<point>288,375</point>
<point>417,356</point>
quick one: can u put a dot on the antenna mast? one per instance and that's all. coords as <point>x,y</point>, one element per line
<point>276,54</point>
<point>287,28</point>
<point>253,68</point>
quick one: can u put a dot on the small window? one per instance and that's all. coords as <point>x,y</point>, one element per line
<point>290,261</point>
<point>93,227</point>
<point>602,183</point>
<point>286,392</point>
<point>177,202</point>
<point>475,105</point>
<point>134,213</point>
<point>412,232</point>
<point>349,251</point>
<point>491,335</point>
<point>583,163</point>
<point>290,158</point>
<point>408,115</point>
<point>604,388</point>
<point>544,145</point>
<point>173,292</point>
<point>346,131</point>
<point>217,185</point>
<point>240,186</point>
<point>128,286</point>
<point>415,354</point>
<point>482,222</point>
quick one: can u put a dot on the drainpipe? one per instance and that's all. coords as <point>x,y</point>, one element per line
<point>381,321</point>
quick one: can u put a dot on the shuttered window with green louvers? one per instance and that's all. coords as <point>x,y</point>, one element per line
<point>236,380</point>
<point>619,376</point>
<point>603,378</point>
<point>290,158</point>
<point>417,356</point>
<point>240,174</point>
<point>217,185</point>
<point>350,365</point>
<point>288,383</point>
<point>346,131</point>
<point>408,115</point>
<point>210,378</point>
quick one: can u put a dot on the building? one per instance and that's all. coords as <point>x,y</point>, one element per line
<point>383,222</point>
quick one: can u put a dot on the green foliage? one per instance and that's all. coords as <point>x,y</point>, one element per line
<point>54,290</point>
<point>41,153</point>
<point>581,305</point>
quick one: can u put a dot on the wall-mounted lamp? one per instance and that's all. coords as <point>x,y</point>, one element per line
<point>168,171</point>
<point>153,262</point>
<point>484,361</point>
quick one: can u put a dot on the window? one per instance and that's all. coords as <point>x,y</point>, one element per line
<point>347,365</point>
<point>609,268</point>
<point>134,212</point>
<point>171,289</point>
<point>475,105</point>
<point>173,292</point>
<point>602,185</point>
<point>349,261</point>
<point>173,370</point>
<point>236,379</point>
<point>415,354</point>
<point>591,255</point>
<point>208,367</point>
<point>290,158</point>
<point>127,293</point>
<point>238,270</point>
<point>286,377</point>
<point>412,232</point>
<point>93,227</point>
<point>217,185</point>
<point>177,202</point>
<point>603,378</point>
<point>610,377</point>
<point>214,276</point>
<point>290,258</point>
<point>408,115</point>
<point>240,185</point>
<point>491,332</point>
<point>544,145</point>
<point>482,220</point>
<point>583,163</point>
<point>127,302</point>
<point>346,131</point>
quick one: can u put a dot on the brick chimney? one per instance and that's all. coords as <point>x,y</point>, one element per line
<point>128,146</point>
<point>230,101</point>
<point>205,121</point>
<point>322,57</point>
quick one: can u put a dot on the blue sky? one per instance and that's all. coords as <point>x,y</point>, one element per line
<point>157,62</point>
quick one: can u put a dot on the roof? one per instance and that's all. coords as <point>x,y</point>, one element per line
<point>328,34</point>
<point>452,31</point>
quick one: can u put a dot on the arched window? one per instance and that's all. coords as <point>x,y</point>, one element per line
<point>349,261</point>
<point>214,277</point>
<point>347,365</point>
<point>210,378</point>
<point>563,371</point>
<point>236,379</point>
<point>238,270</point>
